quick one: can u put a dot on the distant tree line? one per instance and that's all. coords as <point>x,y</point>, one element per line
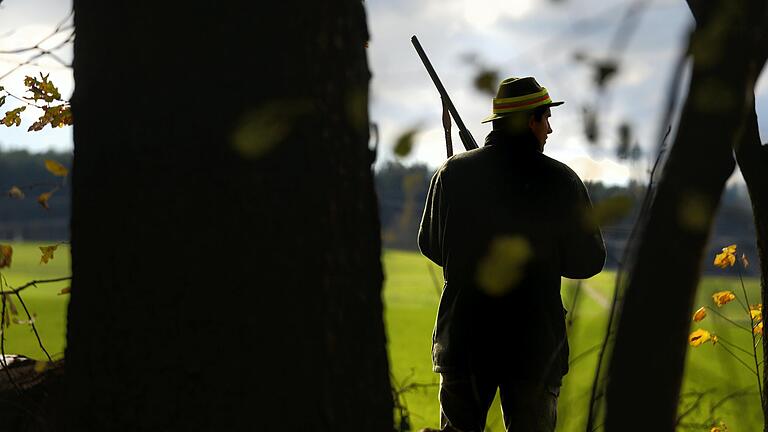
<point>25,218</point>
<point>402,190</point>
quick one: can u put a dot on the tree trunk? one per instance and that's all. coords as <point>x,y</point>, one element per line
<point>752,157</point>
<point>648,356</point>
<point>225,238</point>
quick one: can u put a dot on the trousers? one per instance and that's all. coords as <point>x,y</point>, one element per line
<point>466,397</point>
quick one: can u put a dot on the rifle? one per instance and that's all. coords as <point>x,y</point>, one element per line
<point>464,134</point>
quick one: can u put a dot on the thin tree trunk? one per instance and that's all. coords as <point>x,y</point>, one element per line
<point>752,157</point>
<point>648,356</point>
<point>225,238</point>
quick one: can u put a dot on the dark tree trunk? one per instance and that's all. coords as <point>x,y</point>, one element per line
<point>752,157</point>
<point>225,239</point>
<point>648,357</point>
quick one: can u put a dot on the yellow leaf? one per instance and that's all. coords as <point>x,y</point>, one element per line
<point>15,192</point>
<point>756,312</point>
<point>698,337</point>
<point>722,297</point>
<point>41,366</point>
<point>727,258</point>
<point>43,198</point>
<point>6,255</point>
<point>56,168</point>
<point>719,428</point>
<point>47,253</point>
<point>12,117</point>
<point>64,290</point>
<point>758,329</point>
<point>700,314</point>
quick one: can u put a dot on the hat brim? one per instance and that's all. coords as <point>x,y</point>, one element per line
<point>496,116</point>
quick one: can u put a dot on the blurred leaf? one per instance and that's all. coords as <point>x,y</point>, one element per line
<point>6,255</point>
<point>404,143</point>
<point>2,100</point>
<point>56,168</point>
<point>41,366</point>
<point>612,209</point>
<point>15,193</point>
<point>12,306</point>
<point>625,136</point>
<point>579,56</point>
<point>43,198</point>
<point>590,124</point>
<point>41,89</point>
<point>12,117</point>
<point>486,81</point>
<point>503,266</point>
<point>47,253</point>
<point>694,211</point>
<point>605,70</point>
<point>65,290</point>
<point>261,129</point>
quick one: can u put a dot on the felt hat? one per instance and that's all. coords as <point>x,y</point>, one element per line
<point>517,95</point>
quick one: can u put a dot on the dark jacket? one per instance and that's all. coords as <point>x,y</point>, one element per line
<point>508,214</point>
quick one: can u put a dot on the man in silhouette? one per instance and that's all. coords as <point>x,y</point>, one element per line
<point>506,222</point>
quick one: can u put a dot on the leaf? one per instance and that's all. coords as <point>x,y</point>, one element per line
<point>6,255</point>
<point>56,168</point>
<point>700,314</point>
<point>2,100</point>
<point>47,253</point>
<point>41,89</point>
<point>12,306</point>
<point>758,328</point>
<point>404,143</point>
<point>15,193</point>
<point>723,297</point>
<point>698,337</point>
<point>744,261</point>
<point>12,117</point>
<point>486,81</point>
<point>64,290</point>
<point>43,198</point>
<point>56,116</point>
<point>41,366</point>
<point>727,258</point>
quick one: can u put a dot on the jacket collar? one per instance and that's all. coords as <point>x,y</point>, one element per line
<point>523,142</point>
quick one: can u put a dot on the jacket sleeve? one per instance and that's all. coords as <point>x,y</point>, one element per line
<point>582,251</point>
<point>433,220</point>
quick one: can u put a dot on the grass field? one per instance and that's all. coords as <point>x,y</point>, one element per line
<point>411,298</point>
<point>411,294</point>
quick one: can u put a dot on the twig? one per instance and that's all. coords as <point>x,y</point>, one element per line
<point>4,362</point>
<point>32,323</point>
<point>754,344</point>
<point>749,368</point>
<point>728,319</point>
<point>35,282</point>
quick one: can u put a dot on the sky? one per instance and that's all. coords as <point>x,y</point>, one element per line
<point>540,38</point>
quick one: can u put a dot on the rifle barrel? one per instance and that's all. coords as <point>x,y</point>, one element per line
<point>466,137</point>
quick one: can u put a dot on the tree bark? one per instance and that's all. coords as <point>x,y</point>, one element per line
<point>647,361</point>
<point>752,158</point>
<point>225,238</point>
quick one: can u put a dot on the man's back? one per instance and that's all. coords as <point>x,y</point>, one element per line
<point>505,222</point>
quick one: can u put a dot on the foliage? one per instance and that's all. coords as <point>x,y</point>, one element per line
<point>45,97</point>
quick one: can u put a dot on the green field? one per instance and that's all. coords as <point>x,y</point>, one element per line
<point>411,299</point>
<point>411,296</point>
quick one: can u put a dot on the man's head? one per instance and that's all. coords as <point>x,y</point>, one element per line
<point>535,121</point>
<point>522,105</point>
